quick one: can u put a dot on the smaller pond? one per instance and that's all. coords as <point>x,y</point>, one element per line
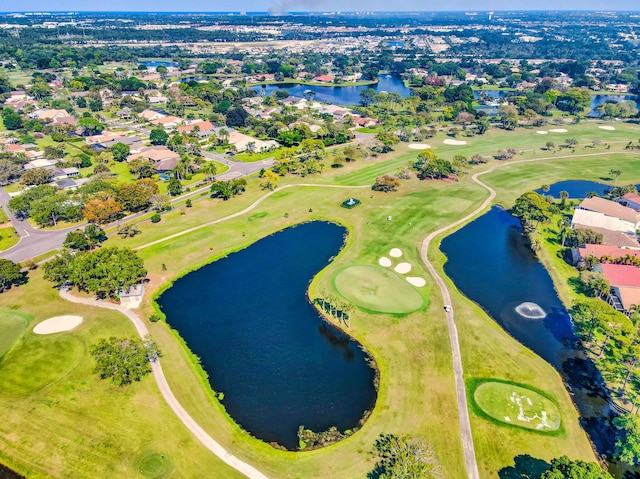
<point>597,100</point>
<point>577,189</point>
<point>157,64</point>
<point>346,95</point>
<point>263,345</point>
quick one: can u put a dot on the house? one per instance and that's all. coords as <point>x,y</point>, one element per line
<point>62,173</point>
<point>589,219</point>
<point>324,78</point>
<point>125,113</point>
<point>158,100</point>
<point>47,114</point>
<point>625,285</point>
<point>630,200</point>
<point>125,140</point>
<point>163,158</point>
<point>40,163</point>
<point>67,184</point>
<point>66,120</point>
<point>105,137</point>
<point>602,251</point>
<point>151,115</point>
<point>610,208</point>
<point>613,238</point>
<point>203,126</point>
<point>132,297</point>
<point>167,122</point>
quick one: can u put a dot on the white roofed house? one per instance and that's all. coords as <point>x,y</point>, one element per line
<point>602,213</point>
<point>151,115</point>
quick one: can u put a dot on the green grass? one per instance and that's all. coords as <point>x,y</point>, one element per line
<point>369,130</point>
<point>366,175</point>
<point>251,157</point>
<point>8,238</point>
<point>517,405</point>
<point>378,290</point>
<point>154,465</point>
<point>12,325</point>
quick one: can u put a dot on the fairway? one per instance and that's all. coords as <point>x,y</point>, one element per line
<point>12,325</point>
<point>154,465</point>
<point>377,289</point>
<point>517,405</point>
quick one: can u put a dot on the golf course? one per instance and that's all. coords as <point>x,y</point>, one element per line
<point>60,420</point>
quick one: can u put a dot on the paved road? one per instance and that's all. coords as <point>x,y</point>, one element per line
<point>210,443</point>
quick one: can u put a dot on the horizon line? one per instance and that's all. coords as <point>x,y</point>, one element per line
<point>70,11</point>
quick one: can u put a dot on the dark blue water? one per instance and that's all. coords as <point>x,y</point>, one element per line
<point>346,95</point>
<point>577,189</point>
<point>264,345</point>
<point>597,100</point>
<point>157,64</point>
<point>491,264</point>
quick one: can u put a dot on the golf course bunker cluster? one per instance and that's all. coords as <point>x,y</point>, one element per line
<point>517,405</point>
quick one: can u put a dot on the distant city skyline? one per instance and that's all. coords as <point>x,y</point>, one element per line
<point>315,5</point>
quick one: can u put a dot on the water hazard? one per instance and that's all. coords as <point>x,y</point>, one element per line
<point>264,345</point>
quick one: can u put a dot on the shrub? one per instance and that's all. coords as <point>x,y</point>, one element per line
<point>156,218</point>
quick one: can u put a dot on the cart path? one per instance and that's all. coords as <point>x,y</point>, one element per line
<point>210,443</point>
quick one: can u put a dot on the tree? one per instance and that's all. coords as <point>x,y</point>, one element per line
<point>565,468</point>
<point>269,180</point>
<point>102,211</point>
<point>616,174</point>
<point>158,136</point>
<point>103,271</point>
<point>564,195</point>
<point>174,187</point>
<point>124,360</point>
<point>228,189</point>
<point>405,457</point>
<point>209,169</point>
<point>532,208</point>
<point>37,176</point>
<point>12,121</point>
<point>237,117</point>
<point>141,167</point>
<point>627,447</point>
<point>366,96</point>
<point>9,274</point>
<point>90,126</point>
<point>386,184</point>
<point>137,196</point>
<point>387,139</point>
<point>120,151</point>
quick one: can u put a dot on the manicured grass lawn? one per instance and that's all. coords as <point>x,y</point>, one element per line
<point>60,420</point>
<point>12,325</point>
<point>517,405</point>
<point>377,290</point>
<point>250,157</point>
<point>416,392</point>
<point>369,130</point>
<point>8,238</point>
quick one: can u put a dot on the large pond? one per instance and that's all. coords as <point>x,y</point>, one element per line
<point>345,95</point>
<point>490,262</point>
<point>264,345</point>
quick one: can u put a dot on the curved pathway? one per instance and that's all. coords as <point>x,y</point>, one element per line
<point>210,443</point>
<point>252,206</point>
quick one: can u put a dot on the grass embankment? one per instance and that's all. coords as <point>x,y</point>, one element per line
<point>416,390</point>
<point>8,238</point>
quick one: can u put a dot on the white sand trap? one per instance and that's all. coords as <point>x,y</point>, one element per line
<point>402,268</point>
<point>384,261</point>
<point>607,127</point>
<point>395,252</point>
<point>542,132</point>
<point>419,146</point>
<point>416,281</point>
<point>57,324</point>
<point>559,130</point>
<point>449,141</point>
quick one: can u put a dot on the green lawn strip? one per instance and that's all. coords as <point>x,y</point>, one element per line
<point>251,157</point>
<point>60,420</point>
<point>8,238</point>
<point>12,325</point>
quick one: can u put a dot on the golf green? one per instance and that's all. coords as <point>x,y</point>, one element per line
<point>377,289</point>
<point>12,325</point>
<point>154,465</point>
<point>517,405</point>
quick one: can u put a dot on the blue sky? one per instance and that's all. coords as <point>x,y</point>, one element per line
<point>315,5</point>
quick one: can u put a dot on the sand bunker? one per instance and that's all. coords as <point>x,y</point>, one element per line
<point>402,268</point>
<point>416,281</point>
<point>395,252</point>
<point>57,324</point>
<point>542,132</point>
<point>384,261</point>
<point>531,310</point>
<point>449,141</point>
<point>607,127</point>
<point>419,146</point>
<point>559,130</point>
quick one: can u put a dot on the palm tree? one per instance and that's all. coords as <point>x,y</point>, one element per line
<point>209,169</point>
<point>563,196</point>
<point>615,174</point>
<point>564,227</point>
<point>223,133</point>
